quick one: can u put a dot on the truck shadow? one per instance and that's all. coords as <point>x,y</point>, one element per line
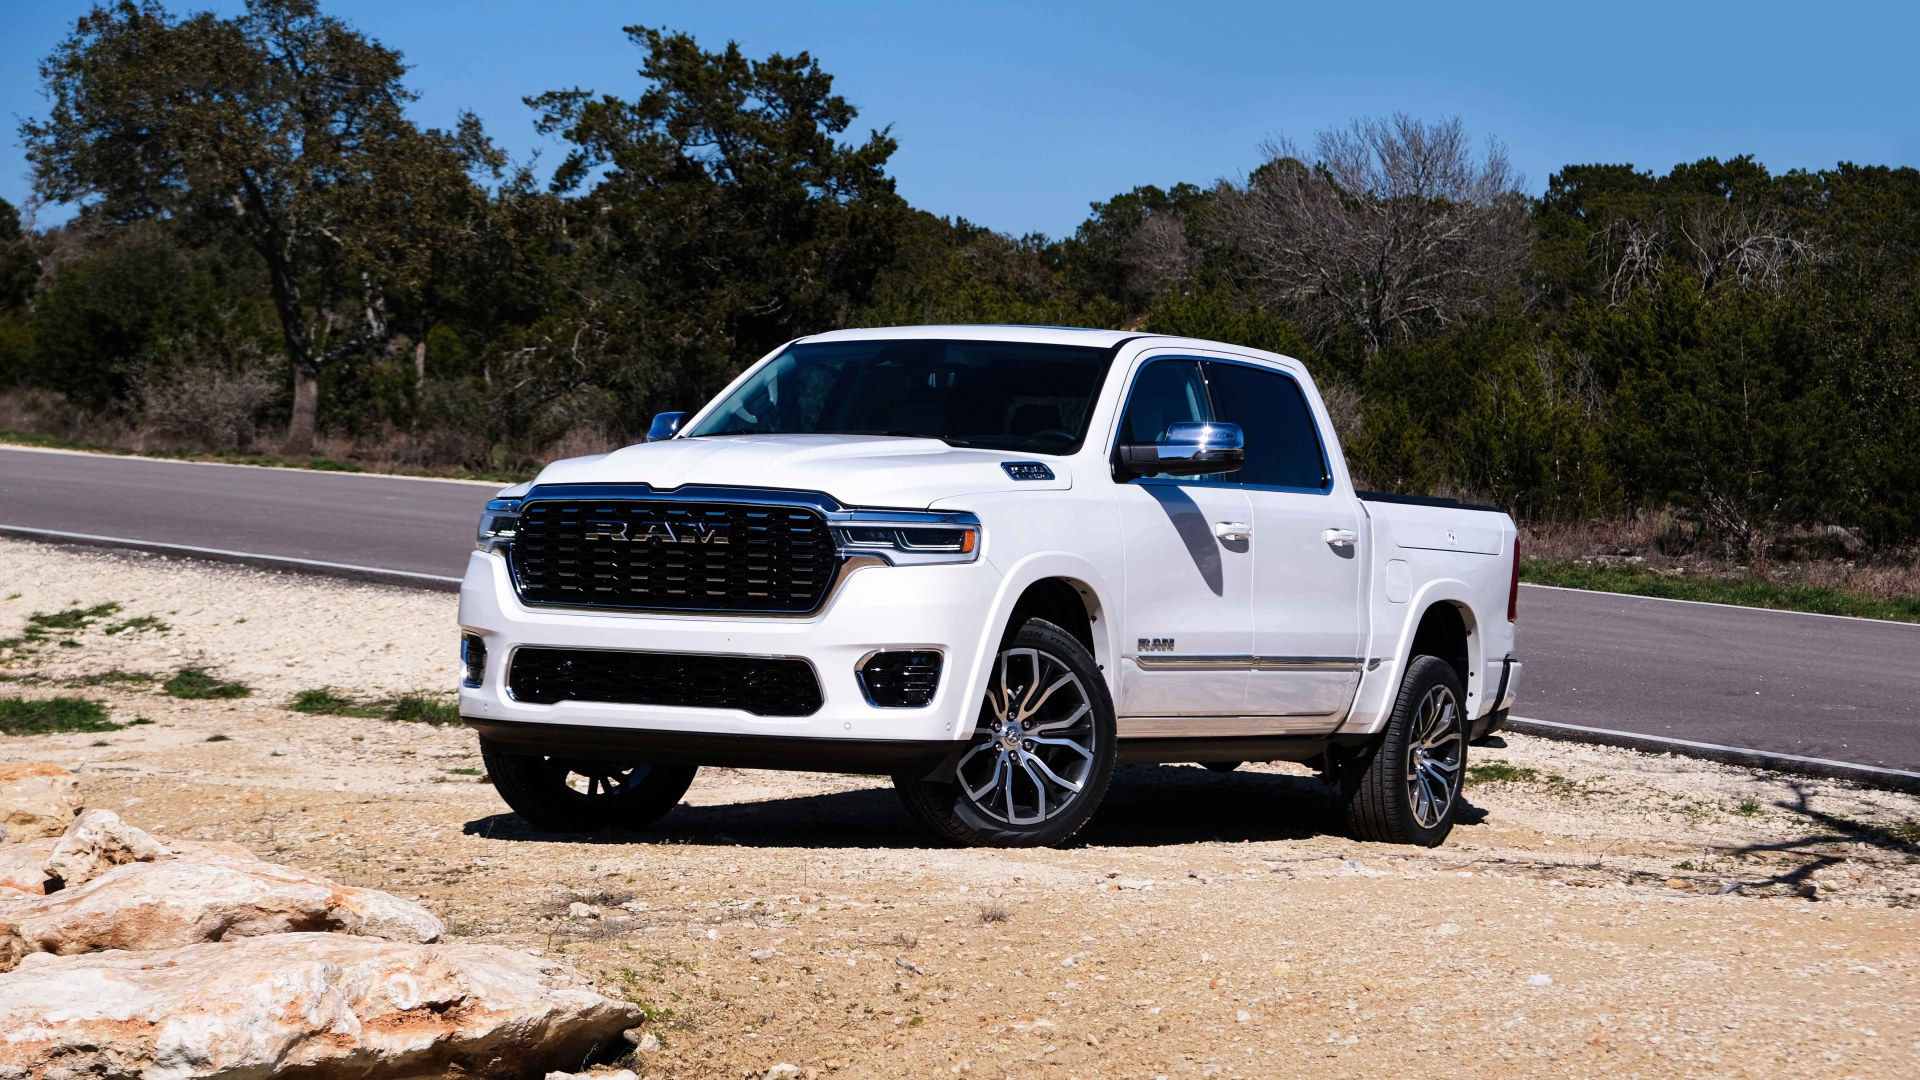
<point>1147,806</point>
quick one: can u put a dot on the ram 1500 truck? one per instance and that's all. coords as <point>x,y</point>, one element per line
<point>989,562</point>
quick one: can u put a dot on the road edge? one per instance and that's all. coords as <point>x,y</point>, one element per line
<point>374,574</point>
<point>1743,757</point>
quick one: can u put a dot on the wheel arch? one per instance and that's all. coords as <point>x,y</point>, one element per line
<point>1061,588</point>
<point>1441,622</point>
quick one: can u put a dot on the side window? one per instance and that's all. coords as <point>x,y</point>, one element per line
<point>1166,392</point>
<point>1283,444</point>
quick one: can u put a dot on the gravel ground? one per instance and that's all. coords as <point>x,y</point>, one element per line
<point>1605,912</point>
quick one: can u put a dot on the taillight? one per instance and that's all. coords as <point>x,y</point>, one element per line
<point>1513,587</point>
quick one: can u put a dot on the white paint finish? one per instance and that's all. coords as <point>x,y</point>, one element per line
<point>1308,599</point>
<point>1399,581</point>
<point>1183,582</point>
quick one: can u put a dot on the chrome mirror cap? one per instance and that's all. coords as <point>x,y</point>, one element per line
<point>665,426</point>
<point>1190,448</point>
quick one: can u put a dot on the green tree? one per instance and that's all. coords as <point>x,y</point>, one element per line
<point>721,216</point>
<point>285,122</point>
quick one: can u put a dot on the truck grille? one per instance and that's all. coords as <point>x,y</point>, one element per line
<point>763,686</point>
<point>660,555</point>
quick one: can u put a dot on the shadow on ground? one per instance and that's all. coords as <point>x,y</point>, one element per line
<point>1147,806</point>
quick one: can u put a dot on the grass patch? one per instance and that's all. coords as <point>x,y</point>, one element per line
<point>137,623</point>
<point>421,709</point>
<point>995,913</point>
<point>195,684</point>
<point>325,702</point>
<point>49,716</point>
<point>219,738</point>
<point>113,678</point>
<point>1749,808</point>
<point>1501,772</point>
<point>1505,772</point>
<point>42,626</point>
<point>464,772</point>
<point>1741,592</point>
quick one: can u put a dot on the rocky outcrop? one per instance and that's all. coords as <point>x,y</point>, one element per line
<point>23,867</point>
<point>36,801</point>
<point>198,895</point>
<point>327,1005</point>
<point>97,842</point>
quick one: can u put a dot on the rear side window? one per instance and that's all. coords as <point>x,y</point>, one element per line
<point>1283,444</point>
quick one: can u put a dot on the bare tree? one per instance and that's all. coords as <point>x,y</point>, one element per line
<point>1388,227</point>
<point>1724,244</point>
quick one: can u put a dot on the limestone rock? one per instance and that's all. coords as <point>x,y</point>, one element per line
<point>210,892</point>
<point>96,843</point>
<point>36,801</point>
<point>322,1005</point>
<point>23,867</point>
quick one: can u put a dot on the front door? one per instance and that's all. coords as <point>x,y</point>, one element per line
<point>1308,563</point>
<point>1187,617</point>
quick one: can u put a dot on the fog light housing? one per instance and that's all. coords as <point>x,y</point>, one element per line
<point>473,660</point>
<point>903,679</point>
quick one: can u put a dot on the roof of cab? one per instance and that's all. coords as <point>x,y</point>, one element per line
<point>1047,335</point>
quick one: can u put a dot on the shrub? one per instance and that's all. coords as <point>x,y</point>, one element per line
<point>421,709</point>
<point>195,684</point>
<point>47,716</point>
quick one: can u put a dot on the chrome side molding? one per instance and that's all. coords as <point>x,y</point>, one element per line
<point>1249,663</point>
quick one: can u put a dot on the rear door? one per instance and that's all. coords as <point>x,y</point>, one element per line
<point>1187,619</point>
<point>1308,565</point>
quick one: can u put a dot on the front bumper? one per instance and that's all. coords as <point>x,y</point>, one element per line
<point>880,607</point>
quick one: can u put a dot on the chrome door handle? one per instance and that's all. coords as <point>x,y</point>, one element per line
<point>1340,537</point>
<point>1237,531</point>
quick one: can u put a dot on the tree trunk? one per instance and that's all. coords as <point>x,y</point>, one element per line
<point>306,402</point>
<point>420,361</point>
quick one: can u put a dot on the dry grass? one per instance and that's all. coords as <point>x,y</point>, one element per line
<point>1820,558</point>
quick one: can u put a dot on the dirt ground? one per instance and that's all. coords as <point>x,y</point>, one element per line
<point>1604,912</point>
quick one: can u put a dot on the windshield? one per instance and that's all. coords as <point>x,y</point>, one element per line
<point>1003,395</point>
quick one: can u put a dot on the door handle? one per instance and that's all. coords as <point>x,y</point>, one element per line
<point>1237,531</point>
<point>1340,537</point>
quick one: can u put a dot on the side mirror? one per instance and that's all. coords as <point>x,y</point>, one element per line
<point>1189,449</point>
<point>665,426</point>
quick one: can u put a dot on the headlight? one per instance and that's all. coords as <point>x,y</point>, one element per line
<point>498,522</point>
<point>909,539</point>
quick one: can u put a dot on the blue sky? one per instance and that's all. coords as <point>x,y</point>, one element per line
<point>1018,115</point>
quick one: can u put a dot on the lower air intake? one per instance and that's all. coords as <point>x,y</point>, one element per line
<point>901,680</point>
<point>763,686</point>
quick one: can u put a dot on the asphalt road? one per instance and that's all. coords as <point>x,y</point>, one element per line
<point>1842,690</point>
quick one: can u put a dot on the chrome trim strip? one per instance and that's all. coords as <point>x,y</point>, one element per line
<point>1180,727</point>
<point>1248,663</point>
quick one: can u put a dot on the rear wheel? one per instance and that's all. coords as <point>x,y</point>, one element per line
<point>1042,752</point>
<point>1405,789</point>
<point>567,795</point>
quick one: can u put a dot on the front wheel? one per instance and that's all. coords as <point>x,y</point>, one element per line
<point>570,795</point>
<point>1406,789</point>
<point>1042,752</point>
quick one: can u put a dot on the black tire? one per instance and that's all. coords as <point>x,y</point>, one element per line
<point>568,795</point>
<point>1015,810</point>
<point>1391,794</point>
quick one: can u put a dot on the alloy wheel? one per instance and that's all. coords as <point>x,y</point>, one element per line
<point>1434,754</point>
<point>1035,745</point>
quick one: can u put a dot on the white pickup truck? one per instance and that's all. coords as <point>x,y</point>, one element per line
<point>990,562</point>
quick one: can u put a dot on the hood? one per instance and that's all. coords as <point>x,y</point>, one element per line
<point>857,470</point>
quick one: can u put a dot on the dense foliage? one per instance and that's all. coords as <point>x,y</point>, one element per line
<point>268,248</point>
